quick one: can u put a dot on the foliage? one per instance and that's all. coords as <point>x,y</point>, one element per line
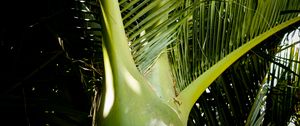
<point>162,55</point>
<point>204,39</point>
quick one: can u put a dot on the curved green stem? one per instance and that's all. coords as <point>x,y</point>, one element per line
<point>190,94</point>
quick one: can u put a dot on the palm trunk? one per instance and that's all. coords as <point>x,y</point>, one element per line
<point>128,98</point>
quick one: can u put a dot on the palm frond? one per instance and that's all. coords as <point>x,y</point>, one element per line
<point>238,89</point>
<point>151,27</point>
<point>218,28</point>
<point>256,115</point>
<point>231,95</point>
<point>283,84</point>
<point>210,39</point>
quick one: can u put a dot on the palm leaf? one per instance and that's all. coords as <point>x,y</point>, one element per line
<point>192,26</point>
<point>283,83</point>
<point>231,95</point>
<point>239,22</point>
<point>150,28</point>
<point>229,99</point>
<point>213,38</point>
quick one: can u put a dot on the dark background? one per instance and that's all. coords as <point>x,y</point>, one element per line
<point>39,84</point>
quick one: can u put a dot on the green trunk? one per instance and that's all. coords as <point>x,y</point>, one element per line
<point>128,98</point>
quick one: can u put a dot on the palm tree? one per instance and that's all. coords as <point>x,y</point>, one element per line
<point>172,62</point>
<point>161,56</point>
